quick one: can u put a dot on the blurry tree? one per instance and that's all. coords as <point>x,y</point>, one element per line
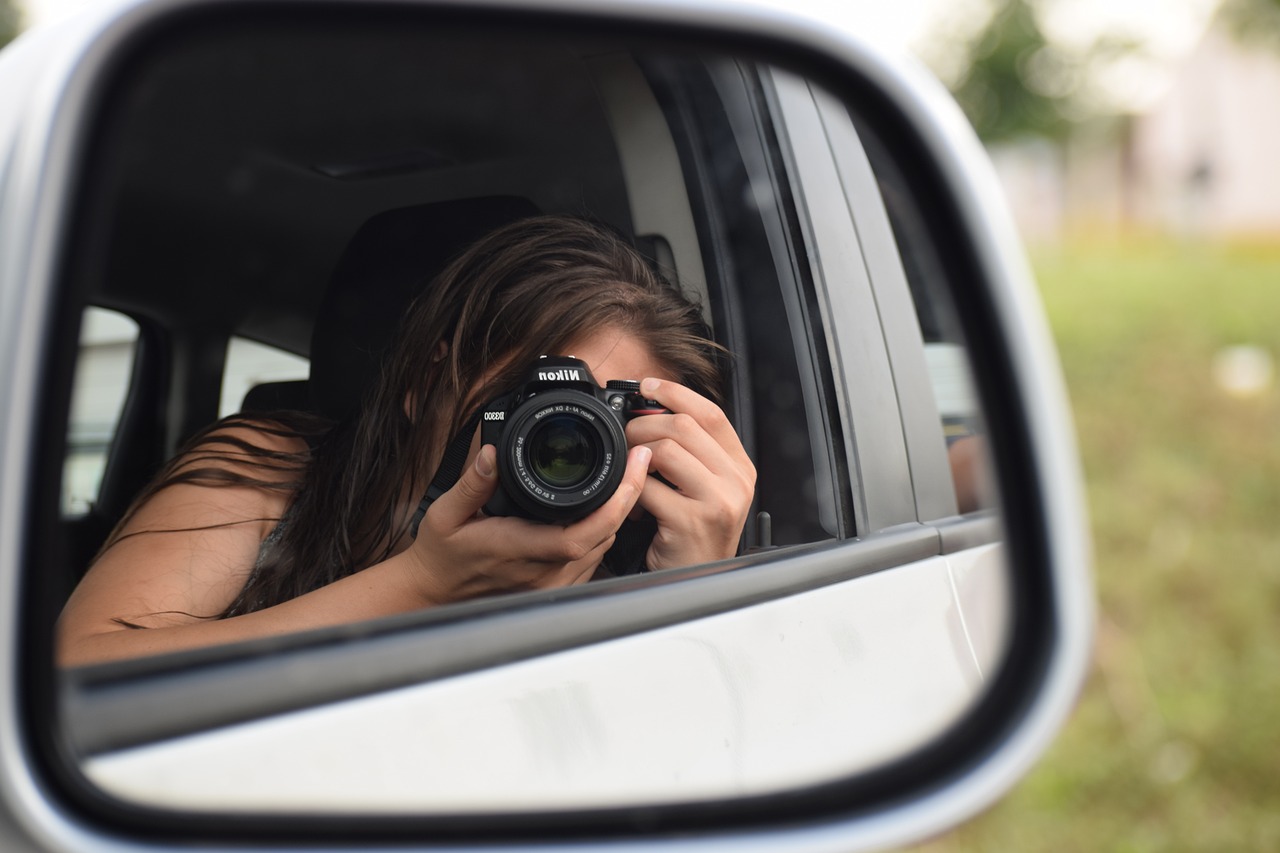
<point>998,90</point>
<point>1253,21</point>
<point>10,21</point>
<point>1013,80</point>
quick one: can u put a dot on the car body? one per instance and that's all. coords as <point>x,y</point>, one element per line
<point>212,174</point>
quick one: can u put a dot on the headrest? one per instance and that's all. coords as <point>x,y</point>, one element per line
<point>390,260</point>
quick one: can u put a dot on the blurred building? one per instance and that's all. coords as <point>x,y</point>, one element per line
<point>1203,160</point>
<point>1207,157</point>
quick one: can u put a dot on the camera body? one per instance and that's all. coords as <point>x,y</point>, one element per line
<point>561,443</point>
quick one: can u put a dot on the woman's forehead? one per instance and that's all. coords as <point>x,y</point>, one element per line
<point>616,354</point>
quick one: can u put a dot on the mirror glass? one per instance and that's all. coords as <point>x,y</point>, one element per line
<point>288,186</point>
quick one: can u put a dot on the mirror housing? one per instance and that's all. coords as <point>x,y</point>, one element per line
<point>51,93</point>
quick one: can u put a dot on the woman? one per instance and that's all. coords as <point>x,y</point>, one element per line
<point>264,527</point>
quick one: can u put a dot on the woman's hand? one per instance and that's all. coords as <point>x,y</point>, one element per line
<point>712,481</point>
<point>460,554</point>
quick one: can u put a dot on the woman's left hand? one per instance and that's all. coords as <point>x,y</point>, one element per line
<point>712,481</point>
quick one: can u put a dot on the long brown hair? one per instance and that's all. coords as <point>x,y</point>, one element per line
<point>528,289</point>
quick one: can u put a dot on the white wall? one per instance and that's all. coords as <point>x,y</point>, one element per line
<point>1211,147</point>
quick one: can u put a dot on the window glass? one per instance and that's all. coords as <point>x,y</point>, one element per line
<point>952,380</point>
<point>108,341</point>
<point>250,363</point>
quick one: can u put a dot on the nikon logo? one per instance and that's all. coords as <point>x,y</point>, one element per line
<point>571,374</point>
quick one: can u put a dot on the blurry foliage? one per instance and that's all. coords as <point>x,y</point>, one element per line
<point>1253,21</point>
<point>996,92</point>
<point>1016,81</point>
<point>10,21</point>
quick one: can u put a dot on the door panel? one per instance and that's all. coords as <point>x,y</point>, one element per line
<point>792,692</point>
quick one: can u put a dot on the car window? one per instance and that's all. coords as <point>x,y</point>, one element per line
<point>104,365</point>
<point>251,364</point>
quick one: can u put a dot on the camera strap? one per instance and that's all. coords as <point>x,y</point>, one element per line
<point>449,471</point>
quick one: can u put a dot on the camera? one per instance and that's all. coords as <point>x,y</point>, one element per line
<point>561,445</point>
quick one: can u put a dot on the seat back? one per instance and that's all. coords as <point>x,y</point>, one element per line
<point>290,395</point>
<point>388,261</point>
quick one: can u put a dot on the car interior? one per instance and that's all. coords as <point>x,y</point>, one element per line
<point>278,184</point>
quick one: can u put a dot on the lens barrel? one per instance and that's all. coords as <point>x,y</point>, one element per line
<point>560,456</point>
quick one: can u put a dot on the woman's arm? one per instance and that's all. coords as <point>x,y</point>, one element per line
<point>174,583</point>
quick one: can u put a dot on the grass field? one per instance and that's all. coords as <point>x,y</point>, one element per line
<point>1175,743</point>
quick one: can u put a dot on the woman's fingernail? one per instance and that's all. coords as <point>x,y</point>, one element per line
<point>649,386</point>
<point>643,456</point>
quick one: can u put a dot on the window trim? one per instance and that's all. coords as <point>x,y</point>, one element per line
<point>743,121</point>
<point>922,423</point>
<point>867,396</point>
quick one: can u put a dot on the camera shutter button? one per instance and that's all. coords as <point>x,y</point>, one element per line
<point>627,386</point>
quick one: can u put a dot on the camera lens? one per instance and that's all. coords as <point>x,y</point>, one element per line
<point>563,451</point>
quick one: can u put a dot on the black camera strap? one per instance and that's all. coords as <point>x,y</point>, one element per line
<point>449,471</point>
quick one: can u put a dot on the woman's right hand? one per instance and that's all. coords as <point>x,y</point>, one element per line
<point>460,553</point>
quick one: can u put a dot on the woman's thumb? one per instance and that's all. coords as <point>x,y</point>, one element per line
<point>476,485</point>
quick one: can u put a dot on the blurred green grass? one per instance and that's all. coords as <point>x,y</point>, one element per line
<point>1175,743</point>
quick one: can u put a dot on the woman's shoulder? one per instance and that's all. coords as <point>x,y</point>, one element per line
<point>189,543</point>
<point>259,448</point>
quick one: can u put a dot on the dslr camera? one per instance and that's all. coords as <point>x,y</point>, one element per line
<point>560,440</point>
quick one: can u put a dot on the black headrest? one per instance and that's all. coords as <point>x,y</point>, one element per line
<point>266,397</point>
<point>388,262</point>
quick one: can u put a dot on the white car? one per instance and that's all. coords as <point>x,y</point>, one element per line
<point>181,179</point>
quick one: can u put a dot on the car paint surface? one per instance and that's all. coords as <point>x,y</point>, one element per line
<point>718,707</point>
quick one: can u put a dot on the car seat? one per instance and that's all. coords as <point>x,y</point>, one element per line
<point>387,262</point>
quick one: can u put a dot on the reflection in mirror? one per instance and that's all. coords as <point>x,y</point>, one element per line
<point>806,580</point>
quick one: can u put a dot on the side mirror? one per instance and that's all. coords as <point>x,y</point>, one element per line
<point>888,654</point>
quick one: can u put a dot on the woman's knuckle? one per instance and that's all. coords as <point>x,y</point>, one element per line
<point>572,550</point>
<point>683,424</point>
<point>723,514</point>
